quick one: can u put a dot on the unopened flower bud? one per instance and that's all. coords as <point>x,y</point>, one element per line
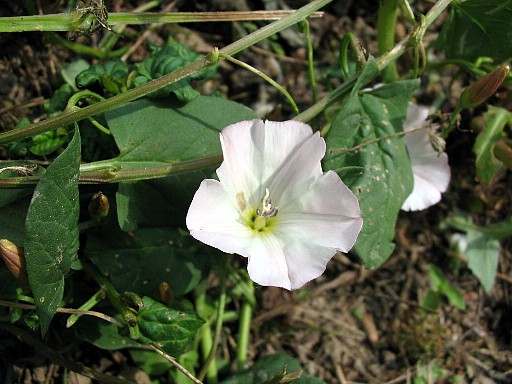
<point>436,141</point>
<point>99,206</point>
<point>482,89</point>
<point>14,258</point>
<point>165,294</point>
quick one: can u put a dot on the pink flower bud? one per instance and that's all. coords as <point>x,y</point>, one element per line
<point>483,88</point>
<point>14,258</point>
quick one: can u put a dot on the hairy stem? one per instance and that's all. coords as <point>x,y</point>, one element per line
<point>198,66</point>
<point>382,61</point>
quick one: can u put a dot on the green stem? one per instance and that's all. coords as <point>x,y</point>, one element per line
<point>311,68</point>
<point>75,21</point>
<point>386,26</point>
<point>95,299</point>
<point>216,336</point>
<point>111,171</point>
<point>382,61</point>
<point>110,39</point>
<point>266,78</point>
<point>115,299</point>
<point>84,49</point>
<point>206,338</point>
<point>200,65</point>
<point>244,329</point>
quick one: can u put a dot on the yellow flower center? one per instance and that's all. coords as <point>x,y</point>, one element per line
<point>262,219</point>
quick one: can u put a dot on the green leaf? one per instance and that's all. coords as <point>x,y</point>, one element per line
<point>441,285</point>
<point>45,143</point>
<point>499,231</point>
<point>59,99</point>
<point>487,165</point>
<point>453,295</point>
<point>151,362</point>
<point>384,179</point>
<point>268,368</point>
<point>167,59</point>
<point>476,29</point>
<point>172,330</point>
<point>51,241</point>
<point>166,131</point>
<point>160,202</point>
<point>102,334</point>
<point>432,300</point>
<point>140,261</point>
<point>156,132</point>
<point>71,70</point>
<point>483,256</point>
<point>368,73</point>
<point>112,76</point>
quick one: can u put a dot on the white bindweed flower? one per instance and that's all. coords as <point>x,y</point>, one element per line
<point>274,205</point>
<point>430,169</point>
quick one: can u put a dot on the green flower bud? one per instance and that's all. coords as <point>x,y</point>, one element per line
<point>14,258</point>
<point>99,206</point>
<point>482,89</point>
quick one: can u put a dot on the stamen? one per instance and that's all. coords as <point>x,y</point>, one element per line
<point>240,199</point>
<point>268,210</point>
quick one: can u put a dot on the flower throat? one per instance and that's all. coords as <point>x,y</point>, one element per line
<point>262,219</point>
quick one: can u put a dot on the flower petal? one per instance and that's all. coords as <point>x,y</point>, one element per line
<point>267,263</point>
<point>298,171</point>
<point>306,261</point>
<point>254,150</point>
<point>214,220</point>
<point>430,170</point>
<point>327,215</point>
<point>416,117</point>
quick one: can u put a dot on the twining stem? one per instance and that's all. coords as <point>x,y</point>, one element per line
<point>266,78</point>
<point>73,312</point>
<point>198,66</point>
<point>311,68</point>
<point>70,22</point>
<point>175,363</point>
<point>112,171</point>
<point>108,172</point>
<point>85,307</point>
<point>110,39</point>
<point>386,26</point>
<point>382,61</point>
<point>115,299</point>
<point>380,138</point>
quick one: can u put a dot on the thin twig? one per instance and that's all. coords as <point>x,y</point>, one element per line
<point>64,310</point>
<point>343,150</point>
<point>182,369</point>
